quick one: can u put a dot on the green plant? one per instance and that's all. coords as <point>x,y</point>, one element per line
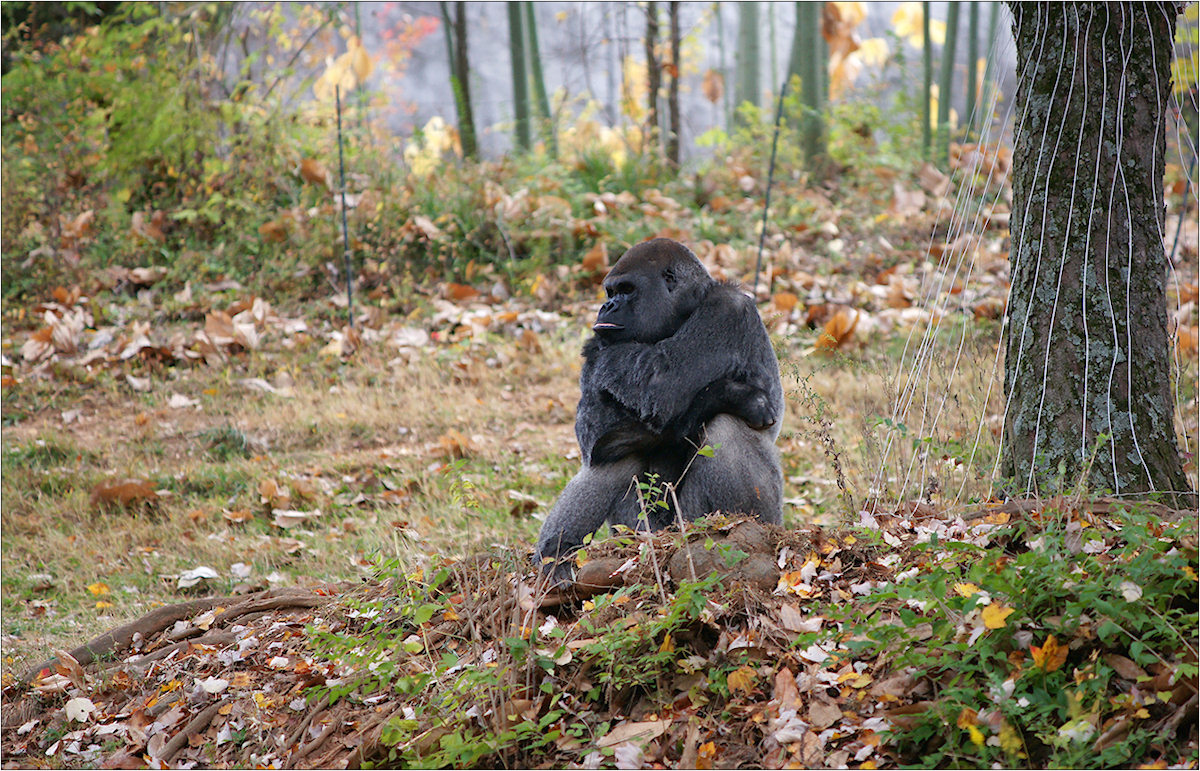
<point>1033,685</point>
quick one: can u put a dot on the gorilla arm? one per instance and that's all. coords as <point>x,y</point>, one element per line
<point>722,340</point>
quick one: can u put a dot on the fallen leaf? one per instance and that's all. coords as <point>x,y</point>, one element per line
<point>837,331</point>
<point>123,492</point>
<point>1049,656</point>
<point>315,172</point>
<point>741,679</point>
<point>636,732</point>
<point>79,709</point>
<point>189,578</point>
<point>994,615</point>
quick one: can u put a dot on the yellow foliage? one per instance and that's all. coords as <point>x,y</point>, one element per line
<point>994,615</point>
<point>906,23</point>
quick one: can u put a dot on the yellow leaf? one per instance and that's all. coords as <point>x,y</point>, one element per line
<point>101,605</point>
<point>1010,740</point>
<point>741,679</point>
<point>668,645</point>
<point>966,590</point>
<point>360,60</point>
<point>98,588</point>
<point>976,735</point>
<point>968,717</point>
<point>994,615</point>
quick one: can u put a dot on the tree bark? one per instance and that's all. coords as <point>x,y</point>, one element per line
<point>946,82</point>
<point>520,77</point>
<point>970,117</point>
<point>673,87</point>
<point>533,55</point>
<point>806,62</point>
<point>460,71</point>
<point>927,81</point>
<point>1087,370</point>
<point>746,56</point>
<point>653,77</point>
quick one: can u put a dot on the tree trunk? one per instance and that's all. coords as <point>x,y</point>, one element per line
<point>725,79</point>
<point>927,80</point>
<point>946,82</point>
<point>806,62</point>
<point>460,70</point>
<point>653,77</point>
<point>673,87</point>
<point>533,59</point>
<point>972,66</point>
<point>989,69</point>
<point>747,57</point>
<point>516,49</point>
<point>1087,371</point>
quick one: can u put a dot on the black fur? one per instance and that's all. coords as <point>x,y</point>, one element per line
<point>679,360</point>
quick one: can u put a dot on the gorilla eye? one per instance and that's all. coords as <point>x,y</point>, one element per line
<point>621,287</point>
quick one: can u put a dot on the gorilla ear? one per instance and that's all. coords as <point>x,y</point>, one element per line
<point>671,279</point>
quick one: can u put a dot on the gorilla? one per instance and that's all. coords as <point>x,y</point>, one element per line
<point>678,361</point>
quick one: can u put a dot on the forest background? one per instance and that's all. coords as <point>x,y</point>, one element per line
<point>188,409</point>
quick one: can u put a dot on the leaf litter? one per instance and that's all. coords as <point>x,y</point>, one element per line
<point>765,674</point>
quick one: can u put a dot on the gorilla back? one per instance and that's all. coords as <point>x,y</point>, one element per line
<point>679,361</point>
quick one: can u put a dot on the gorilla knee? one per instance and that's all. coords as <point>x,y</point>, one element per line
<point>742,475</point>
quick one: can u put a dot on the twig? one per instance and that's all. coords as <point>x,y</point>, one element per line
<point>762,236</point>
<point>197,724</point>
<point>337,91</point>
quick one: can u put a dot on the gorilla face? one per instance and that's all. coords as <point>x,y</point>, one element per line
<point>651,290</point>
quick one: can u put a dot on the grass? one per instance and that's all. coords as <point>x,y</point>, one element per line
<point>404,460</point>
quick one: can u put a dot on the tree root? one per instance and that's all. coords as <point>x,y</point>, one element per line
<point>194,726</point>
<point>162,618</point>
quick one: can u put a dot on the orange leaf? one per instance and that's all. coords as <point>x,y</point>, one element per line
<point>460,292</point>
<point>315,172</point>
<point>785,301</point>
<point>275,230</point>
<point>123,492</point>
<point>596,259</point>
<point>1049,656</point>
<point>837,331</point>
<point>741,679</point>
<point>713,86</point>
<point>1187,342</point>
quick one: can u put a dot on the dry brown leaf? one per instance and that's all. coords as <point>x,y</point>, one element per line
<point>906,203</point>
<point>276,230</point>
<point>461,292</point>
<point>823,713</point>
<point>126,493</point>
<point>596,259</point>
<point>837,330</point>
<point>933,181</point>
<point>150,227</point>
<point>1186,341</point>
<point>989,308</point>
<point>315,172</point>
<point>785,301</point>
<point>455,444</point>
<point>713,86</point>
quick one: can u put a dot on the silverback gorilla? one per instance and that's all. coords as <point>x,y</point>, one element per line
<point>678,361</point>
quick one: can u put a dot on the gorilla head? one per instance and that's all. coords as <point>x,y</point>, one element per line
<point>652,290</point>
